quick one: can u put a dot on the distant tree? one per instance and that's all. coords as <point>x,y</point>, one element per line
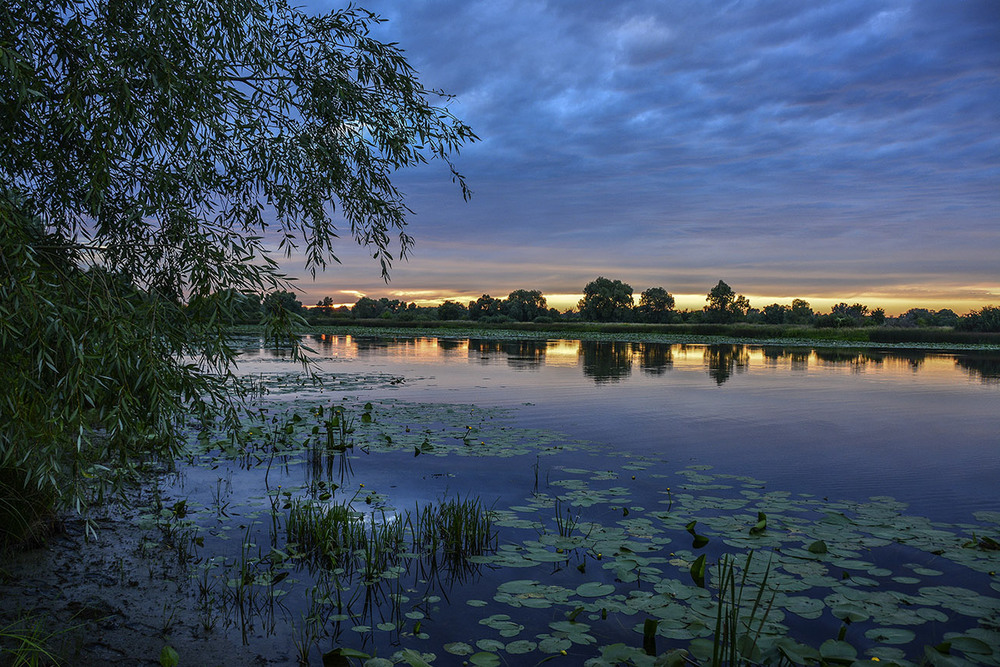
<point>524,305</point>
<point>985,319</point>
<point>484,306</point>
<point>281,300</point>
<point>853,315</point>
<point>452,310</point>
<point>246,309</point>
<point>946,318</point>
<point>801,312</point>
<point>366,308</point>
<point>775,313</point>
<point>606,300</point>
<point>232,306</point>
<point>325,302</point>
<point>391,306</point>
<point>877,317</point>
<point>655,305</point>
<point>724,305</point>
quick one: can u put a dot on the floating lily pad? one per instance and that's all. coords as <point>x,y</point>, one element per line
<point>594,590</point>
<point>891,635</point>
<point>484,659</point>
<point>521,646</point>
<point>459,648</point>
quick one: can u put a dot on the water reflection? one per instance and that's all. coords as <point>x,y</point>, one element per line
<point>606,361</point>
<point>984,366</point>
<point>655,359</point>
<point>609,362</point>
<point>519,354</point>
<point>723,360</point>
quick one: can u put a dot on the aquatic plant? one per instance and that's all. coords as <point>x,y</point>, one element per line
<point>26,642</point>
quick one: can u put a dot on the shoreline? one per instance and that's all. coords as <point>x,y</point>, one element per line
<point>760,335</point>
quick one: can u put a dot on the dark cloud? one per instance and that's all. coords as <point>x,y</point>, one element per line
<point>837,135</point>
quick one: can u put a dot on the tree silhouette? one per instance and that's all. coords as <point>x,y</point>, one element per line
<point>606,300</point>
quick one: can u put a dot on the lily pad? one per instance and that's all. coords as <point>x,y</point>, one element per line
<point>594,590</point>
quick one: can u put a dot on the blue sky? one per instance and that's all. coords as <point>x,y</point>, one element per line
<point>841,150</point>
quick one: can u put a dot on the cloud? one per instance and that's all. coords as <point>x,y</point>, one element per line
<point>842,142</point>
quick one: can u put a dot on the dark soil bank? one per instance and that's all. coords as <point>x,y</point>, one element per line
<point>116,600</point>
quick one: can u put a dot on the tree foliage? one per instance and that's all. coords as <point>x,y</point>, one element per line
<point>606,300</point>
<point>524,305</point>
<point>451,310</point>
<point>656,305</point>
<point>724,305</point>
<point>151,154</point>
<point>484,306</point>
<point>986,318</point>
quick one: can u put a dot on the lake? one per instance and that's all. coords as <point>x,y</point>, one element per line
<point>864,481</point>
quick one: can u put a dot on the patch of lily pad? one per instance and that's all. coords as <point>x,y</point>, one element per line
<point>596,558</point>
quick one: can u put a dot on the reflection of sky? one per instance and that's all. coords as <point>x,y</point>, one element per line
<point>852,424</point>
<point>845,150</point>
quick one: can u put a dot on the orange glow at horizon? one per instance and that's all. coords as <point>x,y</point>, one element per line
<point>893,305</point>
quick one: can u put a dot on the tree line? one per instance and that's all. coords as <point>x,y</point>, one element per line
<point>606,300</point>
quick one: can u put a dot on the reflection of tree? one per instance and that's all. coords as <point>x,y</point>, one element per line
<point>798,357</point>
<point>723,360</point>
<point>484,350</point>
<point>858,359</point>
<point>519,353</point>
<point>449,343</point>
<point>606,361</point>
<point>654,358</point>
<point>982,366</point>
<point>525,353</point>
<point>373,346</point>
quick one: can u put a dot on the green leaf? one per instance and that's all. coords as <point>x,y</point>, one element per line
<point>594,589</point>
<point>697,571</point>
<point>818,547</point>
<point>169,657</point>
<point>837,650</point>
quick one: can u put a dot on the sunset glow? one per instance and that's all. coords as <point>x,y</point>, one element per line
<point>841,151</point>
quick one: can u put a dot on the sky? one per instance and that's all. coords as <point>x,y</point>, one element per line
<point>844,150</point>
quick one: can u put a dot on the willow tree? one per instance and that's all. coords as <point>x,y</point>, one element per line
<point>154,155</point>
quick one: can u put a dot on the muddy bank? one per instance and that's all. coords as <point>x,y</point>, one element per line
<point>116,600</point>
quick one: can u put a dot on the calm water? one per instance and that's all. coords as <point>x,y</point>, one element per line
<point>923,427</point>
<point>602,431</point>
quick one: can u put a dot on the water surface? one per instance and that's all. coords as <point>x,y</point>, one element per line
<point>923,427</point>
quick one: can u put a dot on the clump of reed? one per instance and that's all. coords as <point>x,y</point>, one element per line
<point>457,528</point>
<point>325,533</point>
<point>335,535</point>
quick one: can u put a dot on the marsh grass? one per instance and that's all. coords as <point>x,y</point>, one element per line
<point>325,533</point>
<point>25,642</point>
<point>566,522</point>
<point>459,528</point>
<point>25,511</point>
<point>736,637</point>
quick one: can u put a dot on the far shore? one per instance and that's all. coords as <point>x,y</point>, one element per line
<point>756,334</point>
